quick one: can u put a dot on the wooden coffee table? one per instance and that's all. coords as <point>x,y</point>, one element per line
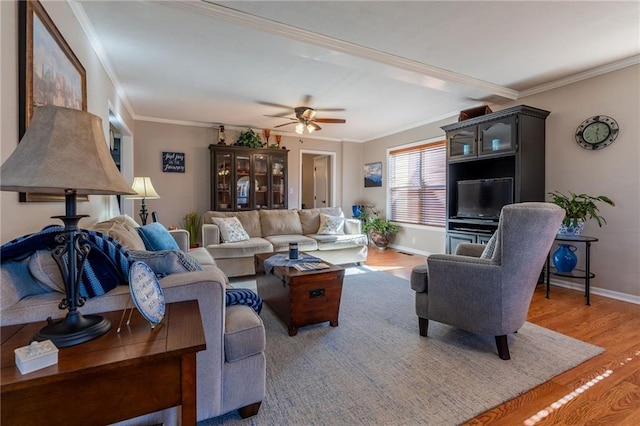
<point>112,378</point>
<point>300,298</point>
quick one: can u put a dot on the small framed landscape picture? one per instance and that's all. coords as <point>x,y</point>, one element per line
<point>372,175</point>
<point>173,162</point>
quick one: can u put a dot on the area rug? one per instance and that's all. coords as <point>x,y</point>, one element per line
<point>375,369</point>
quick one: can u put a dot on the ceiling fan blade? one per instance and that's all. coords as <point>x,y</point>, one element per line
<point>306,100</point>
<point>330,120</point>
<point>280,116</point>
<point>330,109</point>
<point>315,126</point>
<point>271,104</point>
<point>285,124</point>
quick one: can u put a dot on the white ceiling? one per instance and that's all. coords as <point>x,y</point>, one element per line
<point>391,65</point>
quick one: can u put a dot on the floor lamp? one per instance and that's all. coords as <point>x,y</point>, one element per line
<point>144,190</point>
<point>64,152</point>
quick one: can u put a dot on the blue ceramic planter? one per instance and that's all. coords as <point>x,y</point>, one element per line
<point>564,259</point>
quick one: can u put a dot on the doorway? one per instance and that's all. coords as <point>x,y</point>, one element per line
<point>317,179</point>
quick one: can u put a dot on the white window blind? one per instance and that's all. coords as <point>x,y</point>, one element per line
<point>417,182</point>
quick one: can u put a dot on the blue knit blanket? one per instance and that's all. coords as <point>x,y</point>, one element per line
<point>107,264</point>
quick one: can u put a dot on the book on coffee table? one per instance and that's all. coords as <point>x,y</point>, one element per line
<point>311,266</point>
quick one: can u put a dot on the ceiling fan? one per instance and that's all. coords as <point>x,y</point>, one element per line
<point>305,117</point>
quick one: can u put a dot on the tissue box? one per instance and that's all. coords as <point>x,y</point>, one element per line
<point>36,356</point>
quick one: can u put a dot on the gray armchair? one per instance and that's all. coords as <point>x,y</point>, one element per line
<point>489,295</point>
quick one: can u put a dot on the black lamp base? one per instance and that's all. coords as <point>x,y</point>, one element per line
<point>73,330</point>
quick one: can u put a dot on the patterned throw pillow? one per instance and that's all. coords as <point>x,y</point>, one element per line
<point>331,225</point>
<point>231,229</point>
<point>487,253</point>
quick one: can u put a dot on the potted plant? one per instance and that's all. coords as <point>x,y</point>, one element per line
<point>578,208</point>
<point>250,139</point>
<point>379,230</point>
<point>191,222</point>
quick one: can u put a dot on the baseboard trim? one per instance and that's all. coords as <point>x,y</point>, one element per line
<point>598,291</point>
<point>410,250</point>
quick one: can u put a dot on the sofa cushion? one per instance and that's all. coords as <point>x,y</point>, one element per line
<point>166,262</point>
<point>17,283</point>
<point>244,333</point>
<point>310,218</point>
<point>250,220</point>
<point>157,237</point>
<point>120,229</point>
<point>281,242</point>
<point>202,256</point>
<point>337,242</point>
<point>240,249</point>
<point>331,225</point>
<point>231,229</point>
<point>280,222</point>
<point>45,269</point>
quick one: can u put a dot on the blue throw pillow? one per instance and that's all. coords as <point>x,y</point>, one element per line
<point>156,237</point>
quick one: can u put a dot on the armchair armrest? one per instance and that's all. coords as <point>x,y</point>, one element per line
<point>210,234</point>
<point>182,238</point>
<point>352,226</point>
<point>468,249</point>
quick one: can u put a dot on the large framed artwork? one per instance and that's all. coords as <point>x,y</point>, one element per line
<point>49,72</point>
<point>372,175</point>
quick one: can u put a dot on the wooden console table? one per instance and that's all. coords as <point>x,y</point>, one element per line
<point>112,378</point>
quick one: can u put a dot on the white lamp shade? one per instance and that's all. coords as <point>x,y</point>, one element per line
<point>143,188</point>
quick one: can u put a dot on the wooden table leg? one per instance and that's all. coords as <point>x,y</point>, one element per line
<point>189,411</point>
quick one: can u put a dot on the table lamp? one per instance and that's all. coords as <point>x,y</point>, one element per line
<point>64,151</point>
<point>144,189</point>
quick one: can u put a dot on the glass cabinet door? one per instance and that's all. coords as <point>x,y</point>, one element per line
<point>243,182</point>
<point>260,167</point>
<point>497,136</point>
<point>278,186</point>
<point>462,143</point>
<point>223,181</point>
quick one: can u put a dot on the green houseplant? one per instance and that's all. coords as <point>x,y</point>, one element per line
<point>191,222</point>
<point>378,229</point>
<point>250,139</point>
<point>578,209</point>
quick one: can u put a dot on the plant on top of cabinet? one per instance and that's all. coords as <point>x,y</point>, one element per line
<point>250,139</point>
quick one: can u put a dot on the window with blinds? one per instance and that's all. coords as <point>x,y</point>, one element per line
<point>417,183</point>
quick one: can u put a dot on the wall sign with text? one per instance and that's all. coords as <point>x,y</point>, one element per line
<point>173,162</point>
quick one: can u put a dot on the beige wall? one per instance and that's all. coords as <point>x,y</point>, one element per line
<point>613,171</point>
<point>21,218</point>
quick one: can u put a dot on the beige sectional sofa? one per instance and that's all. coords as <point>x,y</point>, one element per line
<point>273,230</point>
<point>231,372</point>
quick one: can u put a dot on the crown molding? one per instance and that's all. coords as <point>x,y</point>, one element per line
<point>594,72</point>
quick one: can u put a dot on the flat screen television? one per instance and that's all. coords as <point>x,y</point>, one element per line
<point>483,198</point>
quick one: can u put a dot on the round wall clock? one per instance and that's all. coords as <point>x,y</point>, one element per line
<point>597,132</point>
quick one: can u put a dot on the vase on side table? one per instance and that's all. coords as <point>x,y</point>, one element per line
<point>564,258</point>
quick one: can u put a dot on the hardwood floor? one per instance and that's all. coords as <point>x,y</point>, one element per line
<point>604,390</point>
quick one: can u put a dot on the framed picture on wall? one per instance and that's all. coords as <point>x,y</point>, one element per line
<point>49,72</point>
<point>372,175</point>
<point>173,162</point>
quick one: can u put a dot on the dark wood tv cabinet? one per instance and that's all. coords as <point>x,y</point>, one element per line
<point>505,144</point>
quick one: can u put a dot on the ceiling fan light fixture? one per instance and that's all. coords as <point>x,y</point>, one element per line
<point>310,128</point>
<point>300,128</point>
